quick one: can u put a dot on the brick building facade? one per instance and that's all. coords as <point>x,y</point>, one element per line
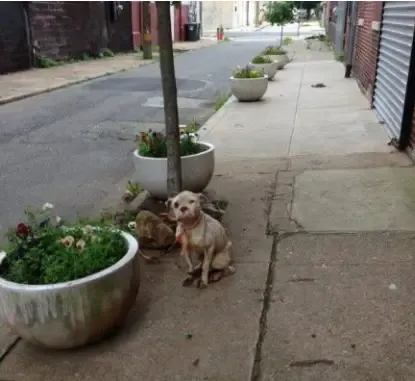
<point>62,30</point>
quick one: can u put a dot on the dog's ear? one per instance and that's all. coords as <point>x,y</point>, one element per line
<point>202,198</point>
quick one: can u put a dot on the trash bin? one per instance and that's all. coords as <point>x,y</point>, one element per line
<point>191,32</point>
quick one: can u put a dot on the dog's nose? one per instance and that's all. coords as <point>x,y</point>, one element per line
<point>183,209</point>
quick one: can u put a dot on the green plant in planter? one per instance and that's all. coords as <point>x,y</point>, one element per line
<point>42,251</point>
<point>273,51</point>
<point>154,144</point>
<point>248,72</point>
<point>261,60</point>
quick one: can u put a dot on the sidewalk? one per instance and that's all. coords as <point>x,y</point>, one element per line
<point>322,219</point>
<point>23,84</point>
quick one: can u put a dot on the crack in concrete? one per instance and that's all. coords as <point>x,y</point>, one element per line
<point>267,300</point>
<point>6,351</point>
<point>310,363</point>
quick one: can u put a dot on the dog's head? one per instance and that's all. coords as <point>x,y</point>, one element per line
<point>186,206</point>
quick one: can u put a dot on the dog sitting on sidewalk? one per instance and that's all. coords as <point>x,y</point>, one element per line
<point>200,234</point>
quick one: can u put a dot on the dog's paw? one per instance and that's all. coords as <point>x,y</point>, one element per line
<point>188,281</point>
<point>201,284</point>
<point>230,270</point>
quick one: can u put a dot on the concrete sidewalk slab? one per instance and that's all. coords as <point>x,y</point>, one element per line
<point>348,200</point>
<point>223,319</point>
<point>338,317</point>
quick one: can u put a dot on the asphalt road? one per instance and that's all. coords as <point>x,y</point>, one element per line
<point>73,147</point>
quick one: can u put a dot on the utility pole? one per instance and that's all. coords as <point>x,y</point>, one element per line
<point>257,13</point>
<point>147,50</point>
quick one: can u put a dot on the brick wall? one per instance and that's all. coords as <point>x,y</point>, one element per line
<point>366,46</point>
<point>62,30</point>
<point>15,52</point>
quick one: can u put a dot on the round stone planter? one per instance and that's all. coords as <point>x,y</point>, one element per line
<point>249,89</point>
<point>197,171</point>
<point>72,314</point>
<point>280,59</point>
<point>270,69</point>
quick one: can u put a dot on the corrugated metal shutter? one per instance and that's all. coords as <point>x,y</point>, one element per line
<point>397,30</point>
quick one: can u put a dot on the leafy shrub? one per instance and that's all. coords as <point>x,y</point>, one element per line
<point>261,60</point>
<point>273,51</point>
<point>47,253</point>
<point>154,144</point>
<point>248,72</point>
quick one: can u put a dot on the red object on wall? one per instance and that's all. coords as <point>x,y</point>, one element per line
<point>366,46</point>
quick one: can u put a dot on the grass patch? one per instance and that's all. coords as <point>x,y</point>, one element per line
<point>221,100</point>
<point>287,41</point>
<point>45,62</point>
<point>339,57</point>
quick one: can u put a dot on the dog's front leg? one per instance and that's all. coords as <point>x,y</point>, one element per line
<point>207,261</point>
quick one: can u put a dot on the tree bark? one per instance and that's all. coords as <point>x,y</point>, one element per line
<point>147,51</point>
<point>171,114</point>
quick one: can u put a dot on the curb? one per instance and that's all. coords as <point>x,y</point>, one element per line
<point>215,118</point>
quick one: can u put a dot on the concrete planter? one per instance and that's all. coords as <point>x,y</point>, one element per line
<point>72,314</point>
<point>270,69</point>
<point>249,89</point>
<point>280,59</point>
<point>197,171</point>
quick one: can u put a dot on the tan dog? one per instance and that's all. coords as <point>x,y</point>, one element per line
<point>200,234</point>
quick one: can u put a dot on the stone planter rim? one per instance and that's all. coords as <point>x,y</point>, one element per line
<point>132,248</point>
<point>210,147</point>
<point>249,79</point>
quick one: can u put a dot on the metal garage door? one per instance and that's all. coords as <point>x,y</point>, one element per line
<point>397,30</point>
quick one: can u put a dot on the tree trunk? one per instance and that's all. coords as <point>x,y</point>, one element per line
<point>308,10</point>
<point>147,51</point>
<point>282,34</point>
<point>171,114</point>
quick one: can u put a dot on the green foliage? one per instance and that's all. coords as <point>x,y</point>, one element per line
<point>45,62</point>
<point>261,60</point>
<point>279,12</point>
<point>273,51</point>
<point>307,5</point>
<point>154,144</point>
<point>47,253</point>
<point>287,41</point>
<point>221,100</point>
<point>248,72</point>
<point>339,57</point>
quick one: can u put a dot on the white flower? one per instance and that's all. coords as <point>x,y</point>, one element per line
<point>58,220</point>
<point>47,206</point>
<point>2,256</point>
<point>131,225</point>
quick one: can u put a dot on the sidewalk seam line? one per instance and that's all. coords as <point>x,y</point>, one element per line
<point>296,110</point>
<point>256,368</point>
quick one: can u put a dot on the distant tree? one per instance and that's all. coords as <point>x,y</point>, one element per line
<point>307,5</point>
<point>279,13</point>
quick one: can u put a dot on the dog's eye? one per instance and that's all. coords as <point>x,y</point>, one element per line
<point>176,205</point>
<point>192,201</point>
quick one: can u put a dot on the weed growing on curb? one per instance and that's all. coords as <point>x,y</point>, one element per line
<point>221,100</point>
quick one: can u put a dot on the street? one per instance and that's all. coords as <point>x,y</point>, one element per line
<point>72,147</point>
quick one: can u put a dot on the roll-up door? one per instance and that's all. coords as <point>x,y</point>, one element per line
<point>398,24</point>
